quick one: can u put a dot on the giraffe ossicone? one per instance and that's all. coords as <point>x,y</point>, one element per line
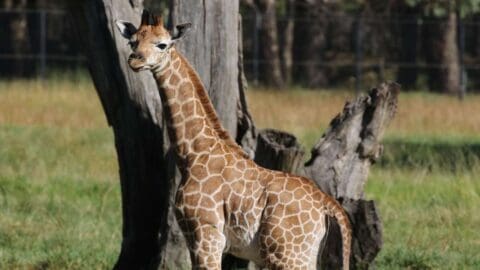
<point>225,202</point>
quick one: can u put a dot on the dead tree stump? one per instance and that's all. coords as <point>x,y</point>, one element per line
<point>279,150</point>
<point>340,164</point>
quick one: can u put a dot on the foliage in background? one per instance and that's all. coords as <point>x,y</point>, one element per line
<point>316,42</point>
<point>442,7</point>
<point>436,8</point>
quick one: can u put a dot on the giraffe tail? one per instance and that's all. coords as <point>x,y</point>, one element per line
<point>336,211</point>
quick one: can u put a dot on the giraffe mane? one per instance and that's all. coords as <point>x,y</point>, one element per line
<point>209,109</point>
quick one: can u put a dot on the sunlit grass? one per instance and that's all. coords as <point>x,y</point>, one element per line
<point>430,219</point>
<point>59,192</point>
<point>60,197</point>
<point>42,153</point>
<point>61,223</point>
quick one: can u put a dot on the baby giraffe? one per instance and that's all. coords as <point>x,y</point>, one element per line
<point>225,202</point>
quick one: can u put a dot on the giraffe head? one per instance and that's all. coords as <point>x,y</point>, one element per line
<point>151,43</point>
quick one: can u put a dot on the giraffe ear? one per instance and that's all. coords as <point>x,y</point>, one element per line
<point>182,29</point>
<point>127,29</point>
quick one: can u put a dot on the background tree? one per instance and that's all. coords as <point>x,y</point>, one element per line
<point>310,42</point>
<point>270,53</point>
<point>286,38</point>
<point>441,40</point>
<point>15,26</point>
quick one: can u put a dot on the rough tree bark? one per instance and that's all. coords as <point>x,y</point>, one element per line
<point>132,105</point>
<point>340,164</point>
<point>218,62</point>
<point>133,109</point>
<point>278,150</point>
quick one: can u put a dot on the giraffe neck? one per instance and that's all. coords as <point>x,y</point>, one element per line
<point>192,123</point>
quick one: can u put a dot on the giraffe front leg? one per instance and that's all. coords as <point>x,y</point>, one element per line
<point>207,249</point>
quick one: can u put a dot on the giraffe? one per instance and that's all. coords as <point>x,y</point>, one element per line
<point>226,203</point>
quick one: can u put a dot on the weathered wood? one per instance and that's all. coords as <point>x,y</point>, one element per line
<point>212,49</point>
<point>341,159</point>
<point>367,237</point>
<point>340,164</point>
<point>278,150</point>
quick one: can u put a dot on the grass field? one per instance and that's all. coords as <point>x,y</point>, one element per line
<point>59,191</point>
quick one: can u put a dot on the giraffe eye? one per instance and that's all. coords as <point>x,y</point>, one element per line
<point>162,46</point>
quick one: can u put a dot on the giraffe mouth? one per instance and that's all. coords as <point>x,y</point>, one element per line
<point>137,69</point>
<point>137,66</point>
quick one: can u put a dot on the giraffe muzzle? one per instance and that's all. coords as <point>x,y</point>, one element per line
<point>136,56</point>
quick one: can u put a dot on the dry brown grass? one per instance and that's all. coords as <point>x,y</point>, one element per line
<point>304,113</point>
<point>53,103</point>
<point>307,113</point>
<point>437,115</point>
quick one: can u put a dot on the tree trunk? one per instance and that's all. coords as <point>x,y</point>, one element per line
<point>18,43</point>
<point>340,164</point>
<point>278,150</point>
<point>218,29</point>
<point>442,53</point>
<point>309,43</point>
<point>271,68</point>
<point>287,27</point>
<point>132,105</point>
<point>450,56</point>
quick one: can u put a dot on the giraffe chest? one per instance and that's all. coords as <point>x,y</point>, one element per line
<point>231,199</point>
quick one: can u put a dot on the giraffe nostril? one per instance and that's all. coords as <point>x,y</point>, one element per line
<point>137,55</point>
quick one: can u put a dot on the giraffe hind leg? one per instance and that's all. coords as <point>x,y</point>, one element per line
<point>291,242</point>
<point>278,252</point>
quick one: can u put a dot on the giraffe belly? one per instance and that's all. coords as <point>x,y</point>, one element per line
<point>243,238</point>
<point>248,250</point>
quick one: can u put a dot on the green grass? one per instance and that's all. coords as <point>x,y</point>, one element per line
<point>430,219</point>
<point>434,154</point>
<point>59,199</point>
<point>60,196</point>
<point>60,224</point>
<point>41,153</point>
